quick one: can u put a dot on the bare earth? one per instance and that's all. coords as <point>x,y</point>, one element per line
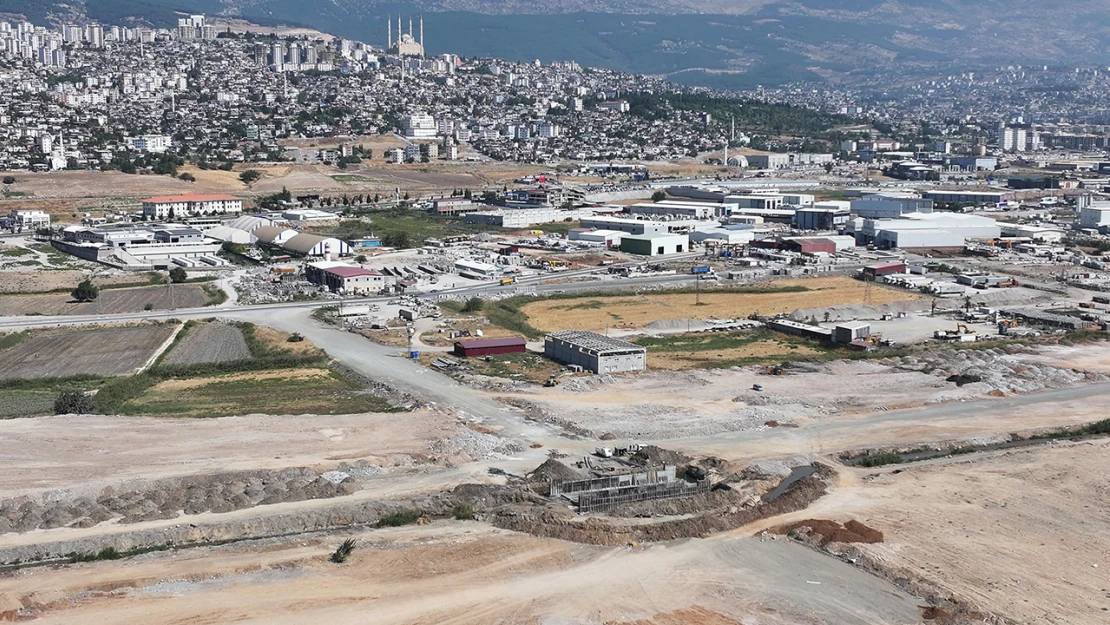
<point>107,352</point>
<point>636,311</point>
<point>110,301</point>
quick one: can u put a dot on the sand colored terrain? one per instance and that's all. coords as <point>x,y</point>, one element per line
<point>109,302</point>
<point>1022,534</point>
<point>100,450</point>
<point>43,281</point>
<point>636,311</point>
<point>466,573</point>
<point>770,349</point>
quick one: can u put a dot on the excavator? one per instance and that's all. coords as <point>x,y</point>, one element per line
<point>774,370</point>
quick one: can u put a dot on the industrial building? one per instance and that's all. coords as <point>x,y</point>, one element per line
<point>821,218</point>
<point>1095,216</point>
<point>886,207</point>
<point>917,230</point>
<point>190,205</point>
<point>594,352</point>
<point>683,209</point>
<point>883,269</point>
<point>968,197</point>
<point>765,201</point>
<point>490,347</point>
<point>631,226</point>
<point>655,244</point>
<point>608,238</point>
<point>730,235</point>
<point>524,217</point>
<point>804,330</point>
<point>342,278</point>
<point>850,331</point>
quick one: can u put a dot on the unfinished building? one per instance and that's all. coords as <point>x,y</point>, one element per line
<point>594,352</point>
<point>604,493</point>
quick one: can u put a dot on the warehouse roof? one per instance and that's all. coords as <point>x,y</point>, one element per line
<point>594,342</point>
<point>269,234</point>
<point>509,341</point>
<point>647,236</point>
<point>303,243</point>
<point>351,272</point>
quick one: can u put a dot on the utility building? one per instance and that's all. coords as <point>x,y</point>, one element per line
<point>655,244</point>
<point>594,352</point>
<point>489,347</point>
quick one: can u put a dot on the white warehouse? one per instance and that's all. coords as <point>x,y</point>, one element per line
<point>594,352</point>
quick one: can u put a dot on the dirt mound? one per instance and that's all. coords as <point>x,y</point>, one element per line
<point>823,532</point>
<point>652,456</point>
<point>554,471</point>
<point>695,615</point>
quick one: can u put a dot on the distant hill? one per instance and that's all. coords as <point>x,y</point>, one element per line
<point>732,43</point>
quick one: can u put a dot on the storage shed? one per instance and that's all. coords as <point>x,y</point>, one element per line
<point>883,269</point>
<point>594,352</point>
<point>850,331</point>
<point>489,347</point>
<point>655,244</point>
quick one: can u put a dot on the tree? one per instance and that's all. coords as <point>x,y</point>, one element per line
<point>398,240</point>
<point>828,168</point>
<point>361,258</point>
<point>659,196</point>
<point>73,402</point>
<point>9,179</point>
<point>178,275</point>
<point>473,304</point>
<point>86,291</point>
<point>187,177</point>
<point>250,176</point>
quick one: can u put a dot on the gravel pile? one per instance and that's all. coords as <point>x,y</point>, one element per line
<point>472,445</point>
<point>168,499</point>
<point>996,369</point>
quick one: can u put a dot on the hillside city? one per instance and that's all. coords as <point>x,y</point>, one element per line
<point>295,328</point>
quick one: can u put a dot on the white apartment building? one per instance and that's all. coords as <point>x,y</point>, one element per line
<point>151,143</point>
<point>419,126</point>
<point>190,205</point>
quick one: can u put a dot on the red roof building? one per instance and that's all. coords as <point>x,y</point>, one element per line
<point>489,347</point>
<point>341,278</point>
<point>884,269</point>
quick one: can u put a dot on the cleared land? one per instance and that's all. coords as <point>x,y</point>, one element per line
<point>289,391</point>
<point>709,350</point>
<point>636,311</point>
<point>111,301</point>
<point>107,352</point>
<point>1023,534</point>
<point>208,343</point>
<point>467,573</point>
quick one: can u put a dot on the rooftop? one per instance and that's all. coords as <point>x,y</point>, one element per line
<point>509,341</point>
<point>351,272</point>
<point>593,341</point>
<point>190,197</point>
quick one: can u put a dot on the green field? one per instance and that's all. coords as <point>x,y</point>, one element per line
<point>273,380</point>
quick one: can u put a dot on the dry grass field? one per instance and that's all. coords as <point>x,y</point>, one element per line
<point>636,311</point>
<point>110,302</point>
<point>701,351</point>
<point>107,352</point>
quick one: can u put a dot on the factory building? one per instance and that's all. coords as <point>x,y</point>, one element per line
<point>821,218</point>
<point>490,347</point>
<point>608,238</point>
<point>655,244</point>
<point>343,278</point>
<point>1096,216</point>
<point>631,226</point>
<point>886,207</point>
<point>968,197</point>
<point>594,352</point>
<point>917,230</point>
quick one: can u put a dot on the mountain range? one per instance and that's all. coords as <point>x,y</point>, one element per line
<point>726,43</point>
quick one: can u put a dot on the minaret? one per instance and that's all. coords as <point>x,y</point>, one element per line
<point>389,37</point>
<point>421,31</point>
<point>410,27</point>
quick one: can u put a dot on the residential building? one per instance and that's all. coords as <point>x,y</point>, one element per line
<point>419,126</point>
<point>190,205</point>
<point>30,219</point>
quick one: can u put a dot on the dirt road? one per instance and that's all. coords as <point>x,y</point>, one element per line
<point>467,573</point>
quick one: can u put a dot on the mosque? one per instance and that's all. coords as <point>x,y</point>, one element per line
<point>406,44</point>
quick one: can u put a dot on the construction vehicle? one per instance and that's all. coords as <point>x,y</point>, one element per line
<point>508,281</point>
<point>875,339</point>
<point>552,380</point>
<point>603,452</point>
<point>774,370</point>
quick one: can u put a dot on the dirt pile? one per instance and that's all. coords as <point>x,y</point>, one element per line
<point>994,369</point>
<point>554,471</point>
<point>696,615</point>
<point>652,456</point>
<point>169,498</point>
<point>821,532</point>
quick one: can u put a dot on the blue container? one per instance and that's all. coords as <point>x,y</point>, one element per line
<point>414,354</point>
